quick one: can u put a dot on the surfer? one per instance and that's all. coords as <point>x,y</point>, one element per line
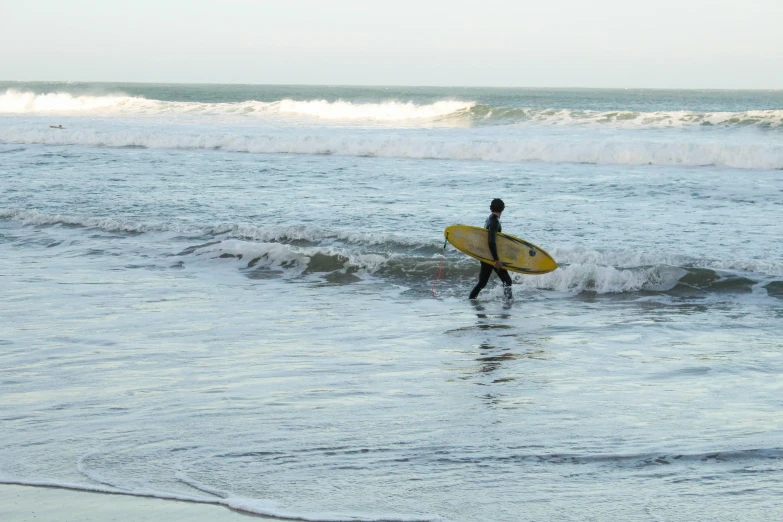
<point>493,226</point>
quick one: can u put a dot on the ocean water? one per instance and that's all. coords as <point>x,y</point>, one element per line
<point>239,295</point>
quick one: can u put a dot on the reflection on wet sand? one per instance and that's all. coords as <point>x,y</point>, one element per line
<point>496,343</point>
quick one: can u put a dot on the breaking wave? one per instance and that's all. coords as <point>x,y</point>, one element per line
<point>294,252</point>
<point>345,265</point>
<point>616,151</point>
<point>457,112</point>
<point>630,119</point>
<point>386,111</point>
<point>15,102</point>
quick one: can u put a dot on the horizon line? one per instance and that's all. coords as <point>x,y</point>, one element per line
<point>379,85</point>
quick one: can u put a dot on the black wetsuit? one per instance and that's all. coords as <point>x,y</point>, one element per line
<point>493,226</point>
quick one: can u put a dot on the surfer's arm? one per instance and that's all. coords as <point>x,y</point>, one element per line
<point>491,236</point>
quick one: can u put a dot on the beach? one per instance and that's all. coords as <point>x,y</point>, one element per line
<point>25,503</point>
<point>241,297</point>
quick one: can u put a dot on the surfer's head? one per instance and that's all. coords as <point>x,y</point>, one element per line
<point>497,205</point>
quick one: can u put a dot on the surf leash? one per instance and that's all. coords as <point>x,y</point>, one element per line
<point>440,269</point>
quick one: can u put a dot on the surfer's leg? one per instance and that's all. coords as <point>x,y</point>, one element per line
<point>486,270</point>
<point>506,278</point>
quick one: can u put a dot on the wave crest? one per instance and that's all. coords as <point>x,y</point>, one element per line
<point>345,265</point>
<point>291,252</point>
<point>385,111</point>
<point>16,102</point>
<point>456,112</point>
<point>629,119</point>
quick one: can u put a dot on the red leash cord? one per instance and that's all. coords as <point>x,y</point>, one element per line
<point>440,269</point>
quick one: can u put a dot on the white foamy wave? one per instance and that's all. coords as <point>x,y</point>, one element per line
<point>618,257</point>
<point>622,258</point>
<point>15,102</point>
<point>574,279</point>
<point>578,278</point>
<point>386,111</point>
<point>454,111</point>
<point>625,269</point>
<point>293,259</point>
<point>771,118</point>
<point>550,150</point>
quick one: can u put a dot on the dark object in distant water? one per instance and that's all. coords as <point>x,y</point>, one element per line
<point>56,126</point>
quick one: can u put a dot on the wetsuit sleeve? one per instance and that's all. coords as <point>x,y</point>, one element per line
<point>492,230</point>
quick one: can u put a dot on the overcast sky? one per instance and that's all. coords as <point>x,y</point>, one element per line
<point>545,43</point>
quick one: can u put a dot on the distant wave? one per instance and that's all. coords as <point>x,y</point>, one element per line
<point>629,119</point>
<point>444,111</point>
<point>385,111</point>
<point>616,151</point>
<point>16,102</point>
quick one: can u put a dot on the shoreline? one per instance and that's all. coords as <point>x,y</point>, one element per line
<point>51,503</point>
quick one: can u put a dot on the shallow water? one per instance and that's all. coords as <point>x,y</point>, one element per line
<point>258,326</point>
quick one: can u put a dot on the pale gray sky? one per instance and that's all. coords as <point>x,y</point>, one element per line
<point>546,43</point>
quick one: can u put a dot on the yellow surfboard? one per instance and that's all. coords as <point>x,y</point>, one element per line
<point>516,255</point>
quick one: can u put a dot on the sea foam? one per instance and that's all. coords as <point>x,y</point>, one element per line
<point>614,151</point>
<point>446,111</point>
<point>16,102</point>
<point>385,111</point>
<point>581,268</point>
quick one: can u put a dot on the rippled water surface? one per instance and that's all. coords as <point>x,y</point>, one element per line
<point>203,301</point>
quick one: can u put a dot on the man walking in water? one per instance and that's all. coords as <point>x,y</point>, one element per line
<point>493,226</point>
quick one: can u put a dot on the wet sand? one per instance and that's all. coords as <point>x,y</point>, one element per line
<point>45,504</point>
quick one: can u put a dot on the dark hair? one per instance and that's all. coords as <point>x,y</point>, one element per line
<point>497,205</point>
